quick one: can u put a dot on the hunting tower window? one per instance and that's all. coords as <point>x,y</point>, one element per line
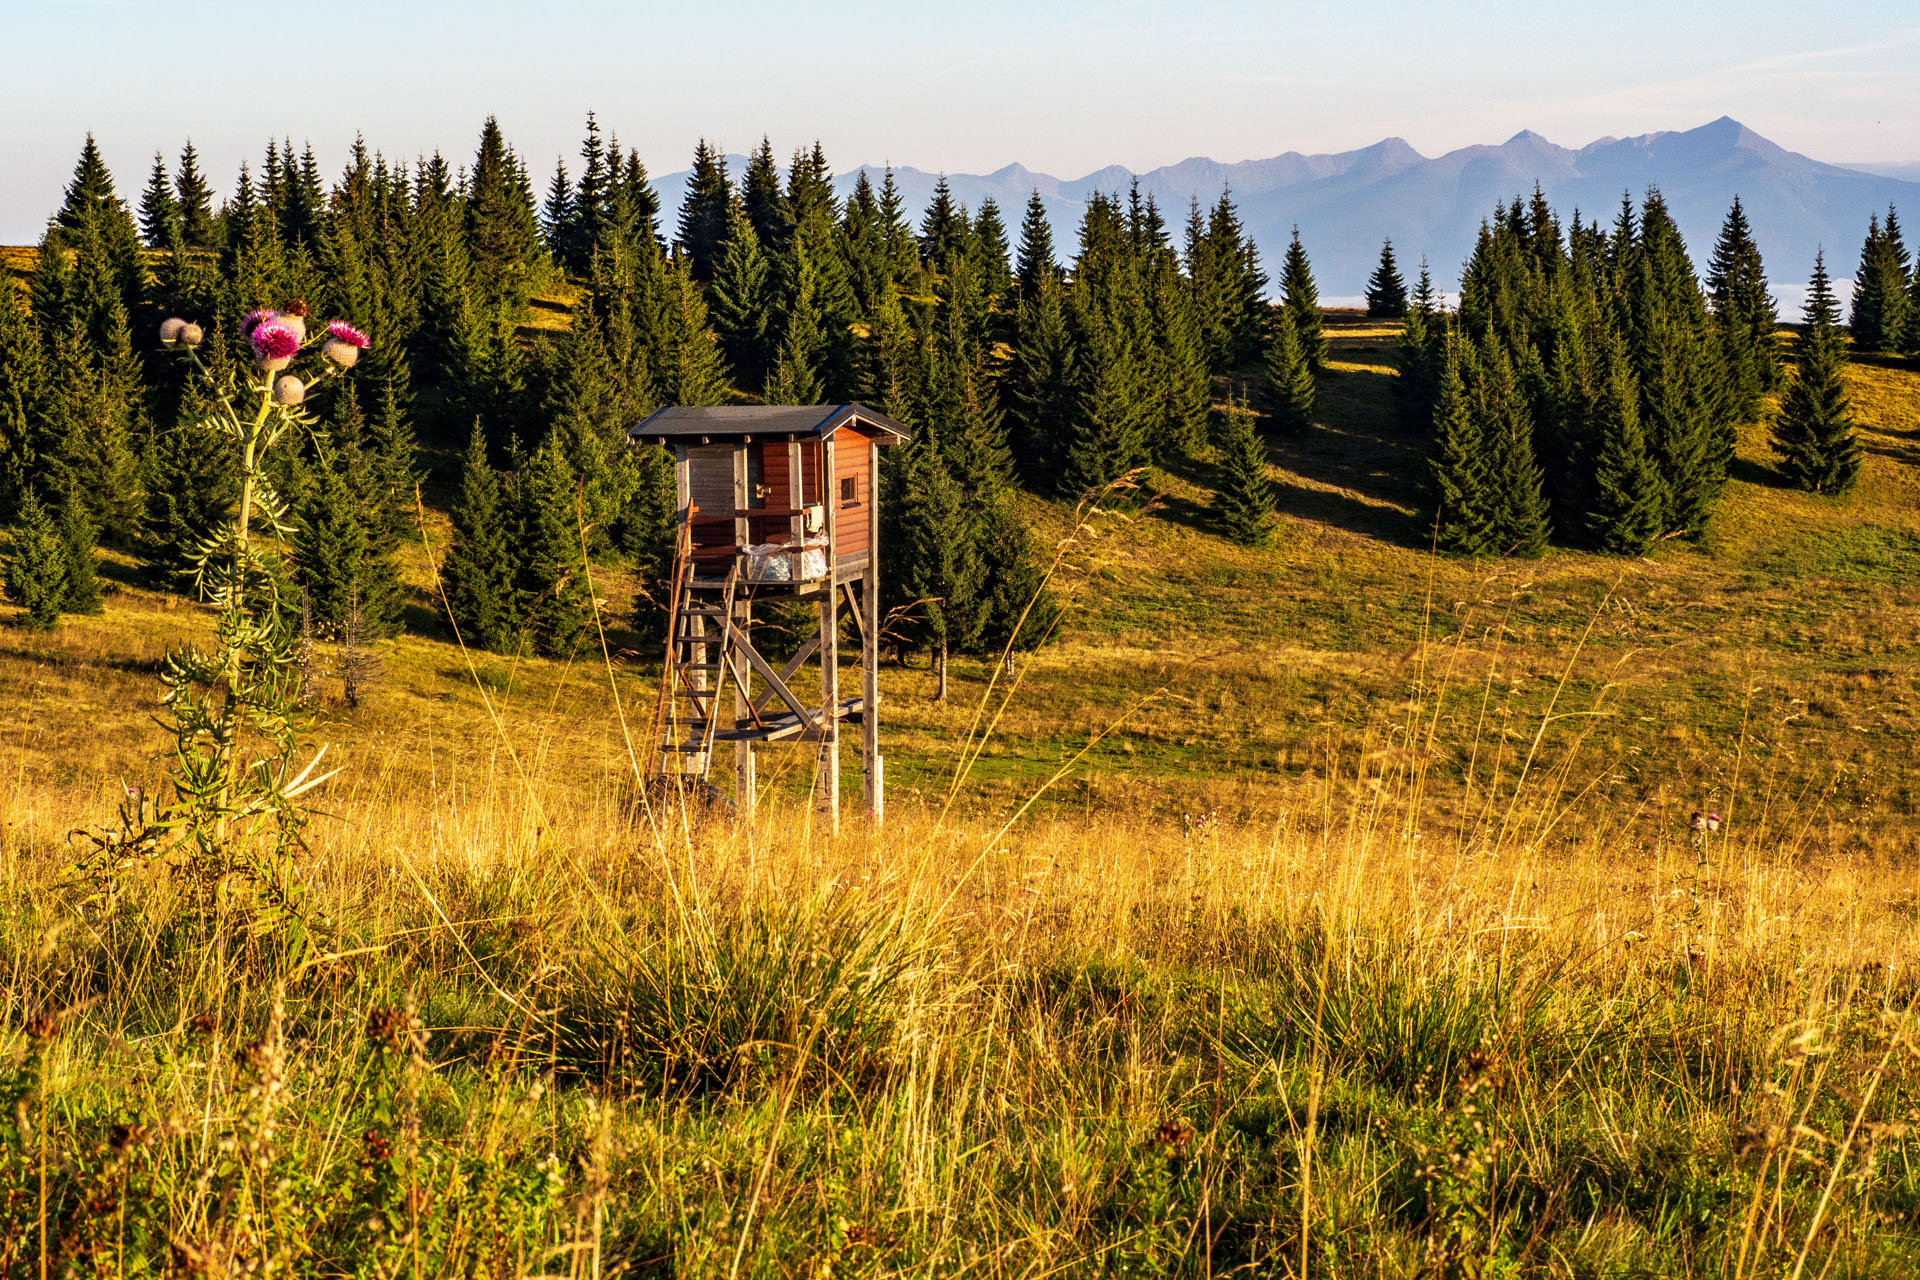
<point>849,491</point>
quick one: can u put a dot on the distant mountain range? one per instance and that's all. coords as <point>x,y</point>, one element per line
<point>1346,203</point>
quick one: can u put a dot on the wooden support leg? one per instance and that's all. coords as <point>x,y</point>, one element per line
<point>699,654</point>
<point>873,789</point>
<point>744,783</point>
<point>829,788</point>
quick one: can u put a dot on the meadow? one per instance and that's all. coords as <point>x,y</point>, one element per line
<point>1335,909</point>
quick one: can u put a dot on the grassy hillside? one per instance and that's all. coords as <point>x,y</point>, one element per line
<point>1779,658</point>
<point>1367,938</point>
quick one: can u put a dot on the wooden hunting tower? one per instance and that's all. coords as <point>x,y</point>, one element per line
<point>776,503</point>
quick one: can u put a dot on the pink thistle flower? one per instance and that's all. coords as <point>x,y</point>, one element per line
<point>344,354</point>
<point>274,346</point>
<point>341,331</point>
<point>255,318</point>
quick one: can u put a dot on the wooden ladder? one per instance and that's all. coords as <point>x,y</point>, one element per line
<point>687,715</point>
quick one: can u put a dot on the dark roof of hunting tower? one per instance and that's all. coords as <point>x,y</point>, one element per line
<point>681,421</point>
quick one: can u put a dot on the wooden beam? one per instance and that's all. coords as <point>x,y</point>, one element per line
<point>793,664</point>
<point>741,534</point>
<point>741,624</point>
<point>746,650</point>
<point>829,759</point>
<point>796,493</point>
<point>873,787</point>
<point>857,613</point>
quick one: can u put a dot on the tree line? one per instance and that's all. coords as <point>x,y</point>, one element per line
<point>1588,388</point>
<point>1585,390</point>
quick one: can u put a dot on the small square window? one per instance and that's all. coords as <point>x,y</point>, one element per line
<point>850,490</point>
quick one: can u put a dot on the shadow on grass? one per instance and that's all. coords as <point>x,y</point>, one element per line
<point>16,629</point>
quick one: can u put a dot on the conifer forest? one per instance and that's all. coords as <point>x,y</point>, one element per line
<point>1584,392</point>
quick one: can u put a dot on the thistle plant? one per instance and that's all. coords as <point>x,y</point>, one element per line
<point>233,826</point>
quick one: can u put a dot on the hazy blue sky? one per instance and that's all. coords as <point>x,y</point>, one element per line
<point>1064,87</point>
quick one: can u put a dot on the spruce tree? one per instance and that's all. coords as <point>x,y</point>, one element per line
<point>1040,383</point>
<point>691,369</point>
<point>1178,362</point>
<point>1457,461</point>
<point>1420,354</point>
<point>552,571</point>
<point>798,364</point>
<point>1684,401</point>
<point>936,570</point>
<point>502,230</point>
<point>944,229</point>
<point>815,251</point>
<point>1518,522</point>
<point>742,298</point>
<point>1913,310</point>
<point>91,416</point>
<point>902,249</point>
<point>20,389</point>
<point>1743,311</point>
<point>187,483</point>
<point>1628,504</point>
<point>91,205</point>
<point>194,199</point>
<point>82,591</point>
<point>556,215</point>
<point>305,200</point>
<point>810,195</point>
<point>763,202</point>
<point>793,379</point>
<point>1034,266</point>
<point>1019,611</point>
<point>1110,426</point>
<point>703,212</point>
<point>989,250</point>
<point>1386,291</point>
<point>1240,286</point>
<point>1206,283</point>
<point>1299,295</point>
<point>479,574</point>
<point>36,566</point>
<point>159,212</point>
<point>331,548</point>
<point>863,238</point>
<point>1867,319</point>
<point>379,494</point>
<point>1245,502</point>
<point>592,197</point>
<point>1881,320</point>
<point>1814,433</point>
<point>1289,377</point>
